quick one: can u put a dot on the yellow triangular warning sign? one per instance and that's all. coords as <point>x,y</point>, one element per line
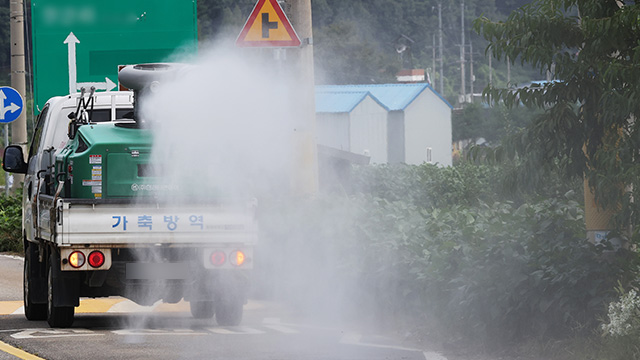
<point>267,26</point>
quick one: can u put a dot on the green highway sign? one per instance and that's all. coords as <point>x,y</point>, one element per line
<point>80,43</point>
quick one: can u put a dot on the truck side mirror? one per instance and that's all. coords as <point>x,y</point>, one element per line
<point>13,160</point>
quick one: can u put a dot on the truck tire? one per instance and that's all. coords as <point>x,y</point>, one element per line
<point>32,311</point>
<point>57,316</point>
<point>229,311</point>
<point>202,309</point>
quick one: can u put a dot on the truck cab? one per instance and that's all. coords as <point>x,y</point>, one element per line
<point>51,136</point>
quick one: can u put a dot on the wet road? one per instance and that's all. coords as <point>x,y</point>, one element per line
<point>116,328</point>
<point>10,277</point>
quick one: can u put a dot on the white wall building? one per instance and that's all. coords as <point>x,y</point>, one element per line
<point>352,121</point>
<point>391,123</point>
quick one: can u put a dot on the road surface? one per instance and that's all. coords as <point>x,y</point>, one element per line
<point>116,328</point>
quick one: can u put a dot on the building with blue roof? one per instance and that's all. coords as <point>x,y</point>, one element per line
<point>391,123</point>
<point>352,121</point>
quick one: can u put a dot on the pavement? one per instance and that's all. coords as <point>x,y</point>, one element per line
<point>114,305</point>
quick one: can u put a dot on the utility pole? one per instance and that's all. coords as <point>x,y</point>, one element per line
<point>440,48</point>
<point>433,59</point>
<point>471,76</point>
<point>18,81</point>
<point>462,71</point>
<point>490,75</point>
<point>305,161</point>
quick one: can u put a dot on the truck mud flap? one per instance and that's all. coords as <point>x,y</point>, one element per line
<point>67,285</point>
<point>38,282</point>
<point>39,293</point>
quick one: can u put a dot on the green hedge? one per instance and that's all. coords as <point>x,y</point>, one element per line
<point>422,242</point>
<point>11,223</point>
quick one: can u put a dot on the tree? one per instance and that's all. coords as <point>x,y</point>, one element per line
<point>493,124</point>
<point>341,41</point>
<point>588,125</point>
<point>220,18</point>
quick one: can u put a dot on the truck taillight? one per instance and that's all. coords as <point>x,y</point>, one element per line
<point>85,259</point>
<point>218,258</point>
<point>236,258</point>
<point>96,259</point>
<point>76,259</point>
<point>240,258</point>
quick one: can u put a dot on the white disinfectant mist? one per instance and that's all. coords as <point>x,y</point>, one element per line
<point>221,124</point>
<point>224,127</point>
<point>222,134</point>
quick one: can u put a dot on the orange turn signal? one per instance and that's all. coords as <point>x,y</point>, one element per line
<point>76,259</point>
<point>236,258</point>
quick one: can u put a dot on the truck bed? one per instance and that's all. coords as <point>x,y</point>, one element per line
<point>124,222</point>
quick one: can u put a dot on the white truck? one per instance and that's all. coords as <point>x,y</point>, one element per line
<point>94,224</point>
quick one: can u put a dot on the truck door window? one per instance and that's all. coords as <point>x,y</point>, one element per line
<point>37,135</point>
<point>60,129</point>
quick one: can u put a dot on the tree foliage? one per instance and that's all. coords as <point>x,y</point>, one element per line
<point>355,41</point>
<point>11,222</point>
<point>446,244</point>
<point>476,121</point>
<point>588,125</point>
<point>221,17</point>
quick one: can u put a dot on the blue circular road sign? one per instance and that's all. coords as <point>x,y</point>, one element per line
<point>11,104</point>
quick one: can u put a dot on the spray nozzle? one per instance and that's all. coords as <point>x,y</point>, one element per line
<point>146,78</point>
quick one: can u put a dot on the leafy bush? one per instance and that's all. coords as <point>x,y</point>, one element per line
<point>429,186</point>
<point>624,316</point>
<point>493,271</point>
<point>419,240</point>
<point>622,329</point>
<point>11,223</point>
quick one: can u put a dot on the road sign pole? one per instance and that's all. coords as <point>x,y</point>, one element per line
<point>18,81</point>
<point>305,179</point>
<point>6,174</point>
<point>269,26</point>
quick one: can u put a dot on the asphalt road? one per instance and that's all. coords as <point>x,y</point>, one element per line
<point>115,328</point>
<point>10,277</point>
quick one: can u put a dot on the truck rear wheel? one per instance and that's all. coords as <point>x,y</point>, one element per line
<point>32,311</point>
<point>229,311</point>
<point>57,316</point>
<point>202,309</point>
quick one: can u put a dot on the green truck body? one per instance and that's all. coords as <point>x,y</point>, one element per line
<point>107,161</point>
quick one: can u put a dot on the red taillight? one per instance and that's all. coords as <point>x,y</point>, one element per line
<point>76,259</point>
<point>96,259</point>
<point>218,258</point>
<point>236,258</point>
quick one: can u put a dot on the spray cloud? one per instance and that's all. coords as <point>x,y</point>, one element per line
<point>221,125</point>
